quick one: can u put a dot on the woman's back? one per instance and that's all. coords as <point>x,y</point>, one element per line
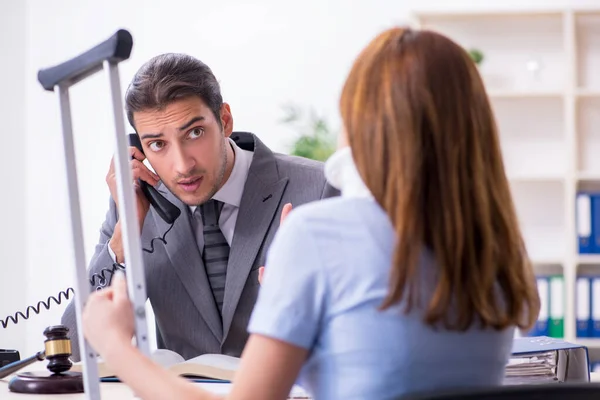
<point>327,300</point>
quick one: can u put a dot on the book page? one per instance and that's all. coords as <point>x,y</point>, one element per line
<point>212,366</point>
<point>166,358</point>
<point>163,357</point>
<point>103,370</point>
<point>531,368</point>
<point>216,360</point>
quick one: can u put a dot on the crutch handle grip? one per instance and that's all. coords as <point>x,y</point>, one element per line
<point>117,48</point>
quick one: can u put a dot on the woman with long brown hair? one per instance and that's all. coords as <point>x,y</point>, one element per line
<point>414,279</point>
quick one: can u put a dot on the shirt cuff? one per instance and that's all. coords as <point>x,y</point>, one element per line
<point>111,253</point>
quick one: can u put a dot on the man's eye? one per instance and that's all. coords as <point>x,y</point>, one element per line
<point>196,133</point>
<point>156,146</point>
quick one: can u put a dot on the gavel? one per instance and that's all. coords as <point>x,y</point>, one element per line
<point>57,350</point>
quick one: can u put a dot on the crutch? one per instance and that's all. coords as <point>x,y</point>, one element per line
<point>106,55</point>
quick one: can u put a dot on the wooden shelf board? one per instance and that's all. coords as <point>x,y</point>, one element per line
<point>588,176</point>
<point>589,342</point>
<point>450,14</point>
<point>587,93</point>
<point>535,178</point>
<point>504,13</point>
<point>524,94</point>
<point>588,259</point>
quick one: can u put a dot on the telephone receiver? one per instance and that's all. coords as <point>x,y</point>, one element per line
<point>165,209</point>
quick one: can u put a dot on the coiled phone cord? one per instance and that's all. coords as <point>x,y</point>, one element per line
<point>98,280</point>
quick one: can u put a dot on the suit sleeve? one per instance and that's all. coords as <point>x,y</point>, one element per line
<point>100,260</point>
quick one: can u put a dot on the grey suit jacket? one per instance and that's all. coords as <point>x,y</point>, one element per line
<point>176,282</point>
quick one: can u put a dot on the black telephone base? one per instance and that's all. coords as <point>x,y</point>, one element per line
<point>44,382</point>
<point>8,357</point>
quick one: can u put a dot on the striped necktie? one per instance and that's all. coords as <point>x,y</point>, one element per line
<point>216,249</point>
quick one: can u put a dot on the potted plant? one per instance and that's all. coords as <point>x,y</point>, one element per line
<point>315,139</point>
<point>476,55</point>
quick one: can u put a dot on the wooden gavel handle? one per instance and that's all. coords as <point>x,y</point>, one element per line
<point>17,365</point>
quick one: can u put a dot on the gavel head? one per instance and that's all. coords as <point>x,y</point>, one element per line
<point>58,348</point>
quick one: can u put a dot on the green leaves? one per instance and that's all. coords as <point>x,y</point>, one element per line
<point>315,139</point>
<point>476,55</point>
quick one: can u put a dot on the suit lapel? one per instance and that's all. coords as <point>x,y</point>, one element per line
<point>258,207</point>
<point>184,254</point>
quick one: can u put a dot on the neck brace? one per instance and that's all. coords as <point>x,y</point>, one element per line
<point>341,173</point>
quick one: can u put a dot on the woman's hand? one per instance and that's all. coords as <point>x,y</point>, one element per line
<point>287,208</point>
<point>108,317</point>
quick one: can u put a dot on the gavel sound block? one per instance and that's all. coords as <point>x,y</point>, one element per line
<point>58,379</point>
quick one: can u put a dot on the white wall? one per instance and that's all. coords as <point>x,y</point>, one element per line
<point>12,170</point>
<point>265,54</point>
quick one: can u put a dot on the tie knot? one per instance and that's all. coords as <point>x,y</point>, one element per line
<point>210,212</point>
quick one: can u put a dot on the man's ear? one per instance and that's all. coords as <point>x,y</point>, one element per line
<point>226,119</point>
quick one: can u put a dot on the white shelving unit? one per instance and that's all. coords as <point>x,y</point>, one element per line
<point>542,74</point>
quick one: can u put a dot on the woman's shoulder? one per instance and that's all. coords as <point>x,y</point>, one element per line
<point>340,221</point>
<point>338,209</point>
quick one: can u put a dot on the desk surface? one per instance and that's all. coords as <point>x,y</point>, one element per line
<point>119,391</point>
<point>113,391</point>
<point>108,390</point>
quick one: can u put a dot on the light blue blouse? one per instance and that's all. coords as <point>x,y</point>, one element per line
<point>326,274</point>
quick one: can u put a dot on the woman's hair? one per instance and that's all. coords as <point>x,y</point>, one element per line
<point>425,142</point>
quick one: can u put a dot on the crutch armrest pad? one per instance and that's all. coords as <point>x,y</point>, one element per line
<point>115,49</point>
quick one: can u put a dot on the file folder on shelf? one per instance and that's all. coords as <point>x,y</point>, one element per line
<point>541,325</point>
<point>543,359</point>
<point>556,322</point>
<point>595,306</point>
<point>588,306</point>
<point>551,319</point>
<point>588,222</point>
<point>584,306</point>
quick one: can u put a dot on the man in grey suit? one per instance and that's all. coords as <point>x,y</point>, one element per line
<point>231,190</point>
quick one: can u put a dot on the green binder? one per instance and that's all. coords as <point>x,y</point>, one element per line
<point>556,328</point>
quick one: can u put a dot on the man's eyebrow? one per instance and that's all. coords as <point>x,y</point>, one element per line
<point>190,122</point>
<point>151,136</point>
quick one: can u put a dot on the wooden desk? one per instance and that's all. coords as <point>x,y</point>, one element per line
<point>119,391</point>
<point>112,391</point>
<point>108,390</point>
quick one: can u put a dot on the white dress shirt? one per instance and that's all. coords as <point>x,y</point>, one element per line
<point>230,194</point>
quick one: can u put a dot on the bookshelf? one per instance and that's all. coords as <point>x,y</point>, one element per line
<point>542,74</point>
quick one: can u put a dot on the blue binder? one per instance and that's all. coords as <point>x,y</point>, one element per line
<point>583,306</point>
<point>588,222</point>
<point>541,327</point>
<point>531,345</point>
<point>573,359</point>
<point>595,306</point>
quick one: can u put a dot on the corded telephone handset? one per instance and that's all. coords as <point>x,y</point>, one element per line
<point>167,210</point>
<point>164,208</point>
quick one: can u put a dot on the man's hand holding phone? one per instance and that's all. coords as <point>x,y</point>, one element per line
<point>140,171</point>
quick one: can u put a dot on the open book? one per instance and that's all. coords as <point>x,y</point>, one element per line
<point>206,366</point>
<point>217,367</point>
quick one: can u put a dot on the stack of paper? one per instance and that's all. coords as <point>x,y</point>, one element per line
<point>531,368</point>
